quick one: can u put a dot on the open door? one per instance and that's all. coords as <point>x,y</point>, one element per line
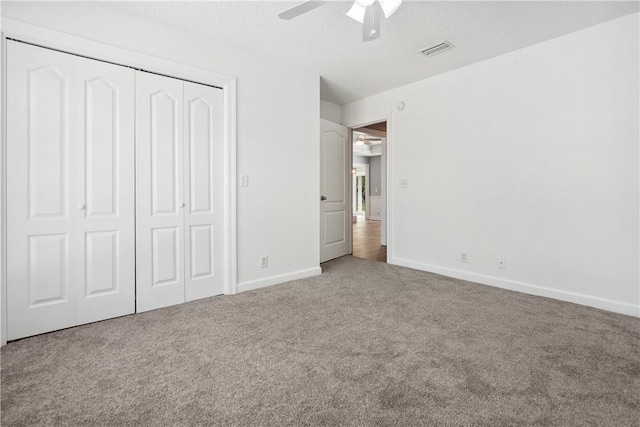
<point>335,211</point>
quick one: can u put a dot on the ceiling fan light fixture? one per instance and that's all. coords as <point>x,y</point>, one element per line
<point>389,6</point>
<point>357,12</point>
<point>365,3</point>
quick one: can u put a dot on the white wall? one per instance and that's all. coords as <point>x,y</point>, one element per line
<point>277,144</point>
<point>532,155</point>
<point>330,111</point>
<point>375,176</point>
<point>360,159</point>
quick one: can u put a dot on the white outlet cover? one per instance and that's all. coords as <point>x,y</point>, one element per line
<point>502,262</point>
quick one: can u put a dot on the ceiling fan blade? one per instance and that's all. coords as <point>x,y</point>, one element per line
<point>299,9</point>
<point>371,26</point>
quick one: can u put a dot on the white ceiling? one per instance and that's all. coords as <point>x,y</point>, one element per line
<point>328,42</point>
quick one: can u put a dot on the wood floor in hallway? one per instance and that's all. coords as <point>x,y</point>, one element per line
<point>366,240</point>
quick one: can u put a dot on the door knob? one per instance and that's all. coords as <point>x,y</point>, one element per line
<point>182,205</point>
<point>323,198</point>
<point>81,206</point>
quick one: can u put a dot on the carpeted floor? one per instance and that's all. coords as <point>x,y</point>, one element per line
<point>365,343</point>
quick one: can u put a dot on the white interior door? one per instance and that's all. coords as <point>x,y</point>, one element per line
<point>70,215</point>
<point>335,216</point>
<point>204,216</point>
<point>41,218</point>
<point>160,185</point>
<point>106,191</point>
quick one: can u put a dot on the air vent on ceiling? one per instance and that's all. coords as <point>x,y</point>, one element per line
<point>437,48</point>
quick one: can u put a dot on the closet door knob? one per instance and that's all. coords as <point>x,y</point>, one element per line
<point>182,205</point>
<point>81,206</point>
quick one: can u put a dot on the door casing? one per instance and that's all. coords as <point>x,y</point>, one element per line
<point>385,169</point>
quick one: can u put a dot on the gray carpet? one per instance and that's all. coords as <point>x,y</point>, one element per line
<point>365,343</point>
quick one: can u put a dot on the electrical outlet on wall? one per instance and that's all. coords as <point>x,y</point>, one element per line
<point>464,257</point>
<point>264,261</point>
<point>502,262</point>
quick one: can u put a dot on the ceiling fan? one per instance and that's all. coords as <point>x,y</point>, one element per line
<point>365,140</point>
<point>365,12</point>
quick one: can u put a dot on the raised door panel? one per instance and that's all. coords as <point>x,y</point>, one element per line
<point>106,237</point>
<point>40,221</point>
<point>164,252</point>
<point>164,153</point>
<point>201,251</point>
<point>160,194</point>
<point>47,142</point>
<point>204,128</point>
<point>333,176</point>
<point>102,111</point>
<point>334,229</point>
<point>335,220</point>
<point>48,269</point>
<point>200,127</point>
<point>101,263</point>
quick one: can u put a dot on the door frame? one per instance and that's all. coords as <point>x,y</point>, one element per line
<point>385,170</point>
<point>67,43</point>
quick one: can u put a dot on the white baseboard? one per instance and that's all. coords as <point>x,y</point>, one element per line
<point>375,218</point>
<point>527,288</point>
<point>276,280</point>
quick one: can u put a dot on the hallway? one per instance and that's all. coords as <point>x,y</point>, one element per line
<point>366,240</point>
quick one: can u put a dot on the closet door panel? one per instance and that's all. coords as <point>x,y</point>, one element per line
<point>41,249</point>
<point>104,113</point>
<point>106,194</point>
<point>165,144</point>
<point>159,191</point>
<point>203,109</point>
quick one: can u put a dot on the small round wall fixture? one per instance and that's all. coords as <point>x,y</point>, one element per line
<point>400,106</point>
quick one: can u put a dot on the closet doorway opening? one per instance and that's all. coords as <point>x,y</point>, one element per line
<point>368,192</point>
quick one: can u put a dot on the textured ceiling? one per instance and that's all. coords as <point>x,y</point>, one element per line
<point>328,42</point>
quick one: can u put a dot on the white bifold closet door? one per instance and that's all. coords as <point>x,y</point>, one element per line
<point>179,187</point>
<point>70,190</point>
